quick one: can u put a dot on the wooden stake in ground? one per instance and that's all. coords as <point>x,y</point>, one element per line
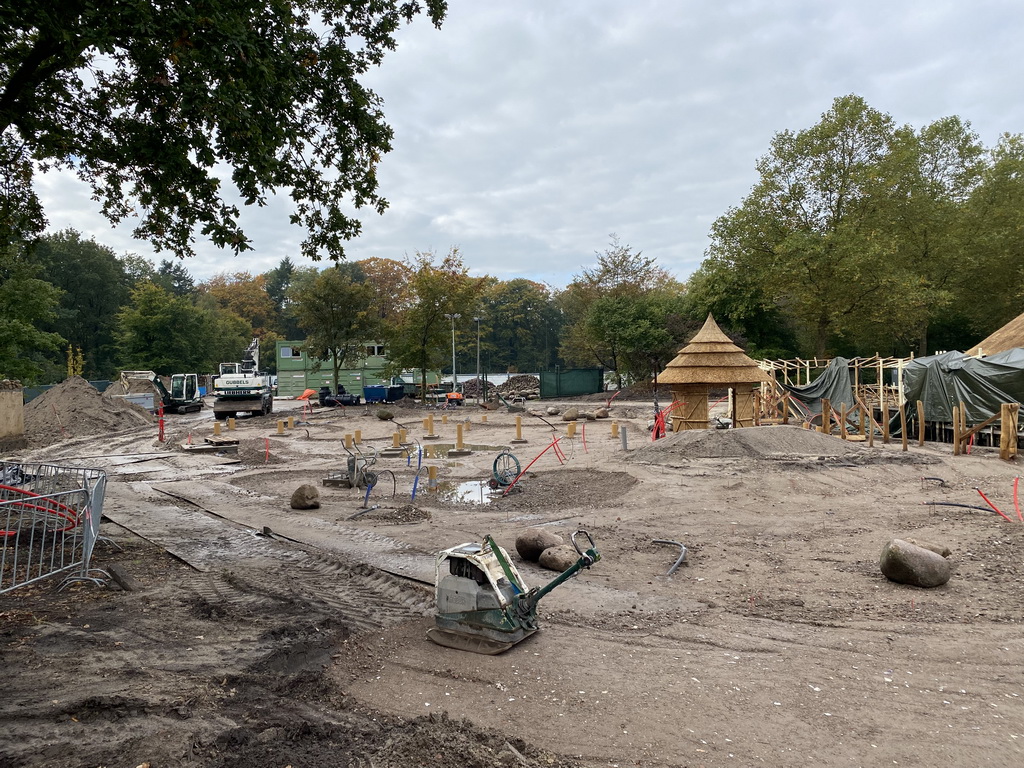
<point>920,423</point>
<point>1008,431</point>
<point>903,425</point>
<point>956,430</point>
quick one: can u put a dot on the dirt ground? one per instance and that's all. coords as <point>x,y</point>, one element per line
<point>258,635</point>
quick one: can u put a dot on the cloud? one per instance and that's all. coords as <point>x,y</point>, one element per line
<point>527,132</point>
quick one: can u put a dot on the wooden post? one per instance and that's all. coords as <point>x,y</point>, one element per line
<point>432,478</point>
<point>348,441</point>
<point>458,437</point>
<point>826,416</point>
<point>357,438</point>
<point>956,430</point>
<point>444,418</point>
<point>519,431</point>
<point>860,419</point>
<point>216,427</point>
<point>396,440</point>
<point>1008,413</point>
<point>615,429</point>
<point>842,421</point>
<point>963,426</point>
<point>280,426</point>
<point>483,418</point>
<point>403,436</point>
<point>231,423</point>
<point>920,423</point>
<point>291,422</point>
<point>426,425</point>
<point>785,408</point>
<point>571,429</point>
<point>903,425</point>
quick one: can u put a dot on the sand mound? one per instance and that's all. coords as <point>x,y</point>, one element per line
<point>779,442</point>
<point>75,408</point>
<point>135,387</point>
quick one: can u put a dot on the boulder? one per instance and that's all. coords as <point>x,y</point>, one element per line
<point>306,496</point>
<point>558,558</point>
<point>939,549</point>
<point>571,414</point>
<point>908,563</point>
<point>552,411</point>
<point>601,413</point>
<point>533,541</point>
<point>587,415</point>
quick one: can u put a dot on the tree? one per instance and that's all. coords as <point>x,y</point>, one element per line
<point>805,232</point>
<point>617,315</point>
<point>147,102</point>
<point>94,286</point>
<point>245,296</point>
<point>26,302</point>
<point>336,312</point>
<point>175,277</point>
<point>519,325</point>
<point>389,280</point>
<point>169,334</point>
<point>420,338</point>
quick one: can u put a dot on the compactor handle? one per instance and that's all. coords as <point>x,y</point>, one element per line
<point>591,554</point>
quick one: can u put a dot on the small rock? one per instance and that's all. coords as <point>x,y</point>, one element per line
<point>558,558</point>
<point>552,411</point>
<point>570,414</point>
<point>908,563</point>
<point>601,413</point>
<point>306,496</point>
<point>533,541</point>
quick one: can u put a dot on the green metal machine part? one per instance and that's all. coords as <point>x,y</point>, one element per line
<point>483,603</point>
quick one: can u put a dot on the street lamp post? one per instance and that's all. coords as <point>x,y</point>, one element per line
<point>479,382</point>
<point>453,317</point>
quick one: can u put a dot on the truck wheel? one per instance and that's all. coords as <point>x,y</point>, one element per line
<point>270,405</point>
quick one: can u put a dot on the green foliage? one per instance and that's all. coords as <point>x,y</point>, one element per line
<point>618,315</point>
<point>148,102</point>
<point>169,334</point>
<point>859,235</point>
<point>336,312</point>
<point>420,337</point>
<point>95,286</point>
<point>26,303</point>
<point>174,277</point>
<point>520,325</point>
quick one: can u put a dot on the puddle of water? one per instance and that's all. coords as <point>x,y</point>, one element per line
<point>440,450</point>
<point>471,491</point>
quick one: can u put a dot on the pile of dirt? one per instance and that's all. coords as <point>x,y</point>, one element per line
<point>403,515</point>
<point>75,408</point>
<point>134,387</point>
<point>778,442</point>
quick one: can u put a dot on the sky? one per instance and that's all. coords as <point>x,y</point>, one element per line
<point>528,132</point>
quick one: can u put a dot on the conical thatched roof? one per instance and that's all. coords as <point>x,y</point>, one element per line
<point>712,358</point>
<point>1010,336</point>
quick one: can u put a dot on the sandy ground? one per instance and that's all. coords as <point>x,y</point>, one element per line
<point>264,636</point>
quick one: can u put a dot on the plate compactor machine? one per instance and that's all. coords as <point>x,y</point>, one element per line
<point>483,603</point>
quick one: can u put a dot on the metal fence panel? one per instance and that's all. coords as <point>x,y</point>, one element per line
<point>571,383</point>
<point>49,521</point>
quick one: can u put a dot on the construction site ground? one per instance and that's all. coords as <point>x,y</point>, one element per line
<point>258,635</point>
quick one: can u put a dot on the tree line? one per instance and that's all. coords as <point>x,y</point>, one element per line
<point>861,236</point>
<point>71,304</point>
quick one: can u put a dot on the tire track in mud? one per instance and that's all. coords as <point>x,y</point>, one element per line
<point>249,572</point>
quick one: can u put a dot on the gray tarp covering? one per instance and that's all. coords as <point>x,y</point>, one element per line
<point>942,381</point>
<point>833,384</point>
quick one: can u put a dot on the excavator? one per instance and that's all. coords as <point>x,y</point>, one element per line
<point>182,397</point>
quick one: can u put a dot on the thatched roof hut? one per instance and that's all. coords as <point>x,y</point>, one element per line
<point>711,361</point>
<point>1010,336</point>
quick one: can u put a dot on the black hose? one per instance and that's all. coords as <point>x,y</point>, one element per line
<point>955,504</point>
<point>939,480</point>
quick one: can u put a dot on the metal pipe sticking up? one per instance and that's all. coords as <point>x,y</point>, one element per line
<point>682,554</point>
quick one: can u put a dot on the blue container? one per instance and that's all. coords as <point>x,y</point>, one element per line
<point>376,393</point>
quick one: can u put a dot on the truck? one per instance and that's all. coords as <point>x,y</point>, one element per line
<point>182,397</point>
<point>243,387</point>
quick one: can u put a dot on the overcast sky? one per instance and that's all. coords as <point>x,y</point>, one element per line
<point>528,131</point>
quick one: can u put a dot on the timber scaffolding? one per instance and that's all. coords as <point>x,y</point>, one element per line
<point>868,377</point>
<point>877,404</point>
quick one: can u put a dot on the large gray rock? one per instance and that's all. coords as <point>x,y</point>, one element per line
<point>533,541</point>
<point>552,411</point>
<point>908,563</point>
<point>306,496</point>
<point>601,413</point>
<point>571,414</point>
<point>558,558</point>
